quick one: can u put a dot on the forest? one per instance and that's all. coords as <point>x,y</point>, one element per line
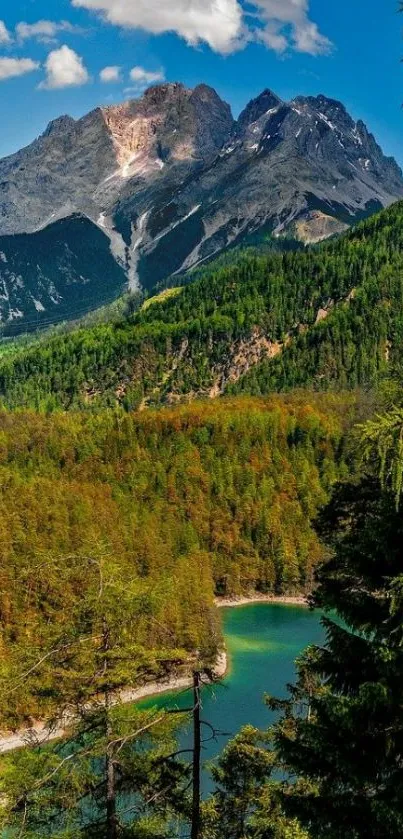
<point>328,317</point>
<point>289,492</point>
<point>188,503</point>
<point>120,528</point>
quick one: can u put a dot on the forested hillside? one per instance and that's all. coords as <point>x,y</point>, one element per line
<point>330,317</point>
<point>185,503</point>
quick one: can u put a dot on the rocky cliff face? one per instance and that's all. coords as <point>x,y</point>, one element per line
<point>172,179</point>
<point>303,168</point>
<point>58,273</point>
<point>85,165</point>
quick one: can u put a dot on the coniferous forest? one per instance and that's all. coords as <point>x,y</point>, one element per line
<point>328,317</point>
<point>238,435</point>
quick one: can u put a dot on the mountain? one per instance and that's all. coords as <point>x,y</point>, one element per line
<point>58,273</point>
<point>327,318</point>
<point>172,179</point>
<point>303,168</point>
<point>88,165</point>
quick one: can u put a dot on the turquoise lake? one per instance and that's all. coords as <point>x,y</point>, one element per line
<point>263,640</point>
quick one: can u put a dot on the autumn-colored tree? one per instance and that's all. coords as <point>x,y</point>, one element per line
<point>111,771</point>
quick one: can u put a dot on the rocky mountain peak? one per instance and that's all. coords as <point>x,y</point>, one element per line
<point>214,120</point>
<point>266,102</point>
<point>328,109</point>
<point>158,94</point>
<point>172,180</point>
<point>61,125</point>
<point>324,103</point>
<point>169,123</point>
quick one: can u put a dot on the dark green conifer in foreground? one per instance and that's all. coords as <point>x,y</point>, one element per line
<point>339,739</point>
<point>345,747</point>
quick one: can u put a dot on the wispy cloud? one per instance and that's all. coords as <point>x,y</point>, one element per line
<point>225,25</point>
<point>12,67</point>
<point>64,68</point>
<point>289,21</point>
<point>44,30</point>
<point>110,74</point>
<point>141,79</point>
<point>5,37</point>
<point>141,76</point>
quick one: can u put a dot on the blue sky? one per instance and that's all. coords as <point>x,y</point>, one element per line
<point>347,49</point>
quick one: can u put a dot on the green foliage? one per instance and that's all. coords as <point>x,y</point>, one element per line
<point>339,737</point>
<point>114,767</point>
<point>382,440</point>
<point>170,507</point>
<point>245,804</point>
<point>328,317</point>
<point>164,295</point>
<point>59,790</point>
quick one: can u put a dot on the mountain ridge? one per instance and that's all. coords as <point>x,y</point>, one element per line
<point>328,318</point>
<point>43,274</point>
<point>173,180</point>
<point>141,126</point>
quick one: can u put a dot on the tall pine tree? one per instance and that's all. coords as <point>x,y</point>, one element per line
<point>340,735</point>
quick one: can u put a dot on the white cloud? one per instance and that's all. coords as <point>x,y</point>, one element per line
<point>216,22</point>
<point>5,37</point>
<point>289,22</point>
<point>12,67</point>
<point>144,77</point>
<point>64,68</point>
<point>141,79</point>
<point>43,30</point>
<point>110,74</point>
<point>309,39</point>
<point>273,38</point>
<point>225,25</point>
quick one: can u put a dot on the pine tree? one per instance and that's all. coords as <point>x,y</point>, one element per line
<point>245,803</point>
<point>339,739</point>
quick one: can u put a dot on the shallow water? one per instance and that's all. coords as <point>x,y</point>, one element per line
<point>263,640</point>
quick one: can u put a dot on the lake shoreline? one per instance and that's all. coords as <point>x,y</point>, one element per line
<point>245,600</point>
<point>39,734</point>
<point>171,684</point>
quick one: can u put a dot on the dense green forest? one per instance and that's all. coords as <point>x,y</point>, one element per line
<point>120,527</point>
<point>86,623</point>
<point>327,317</point>
<point>188,502</point>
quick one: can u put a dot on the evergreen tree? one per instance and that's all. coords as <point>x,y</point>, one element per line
<point>245,804</point>
<point>340,734</point>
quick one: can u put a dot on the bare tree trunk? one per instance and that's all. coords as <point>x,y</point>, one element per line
<point>112,823</point>
<point>111,814</point>
<point>195,832</point>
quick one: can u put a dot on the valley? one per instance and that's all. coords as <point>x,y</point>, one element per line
<point>327,318</point>
<point>201,408</point>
